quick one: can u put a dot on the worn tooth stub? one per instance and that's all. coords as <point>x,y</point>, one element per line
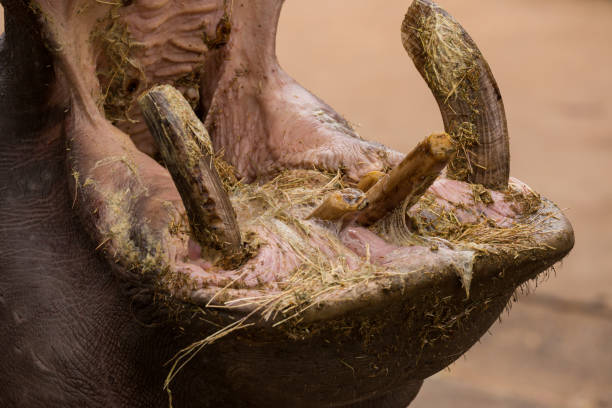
<point>369,180</point>
<point>407,182</point>
<point>186,149</point>
<point>340,203</point>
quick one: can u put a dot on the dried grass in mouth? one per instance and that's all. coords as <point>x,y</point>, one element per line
<point>283,202</point>
<point>431,220</point>
<point>119,73</point>
<point>121,76</point>
<point>281,205</point>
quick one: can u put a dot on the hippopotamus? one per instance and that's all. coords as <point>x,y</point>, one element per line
<point>183,224</point>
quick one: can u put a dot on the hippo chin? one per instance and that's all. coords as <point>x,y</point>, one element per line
<point>182,223</point>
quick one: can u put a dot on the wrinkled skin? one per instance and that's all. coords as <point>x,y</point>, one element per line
<point>87,325</point>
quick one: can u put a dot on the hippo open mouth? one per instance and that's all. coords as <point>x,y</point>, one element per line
<point>226,194</point>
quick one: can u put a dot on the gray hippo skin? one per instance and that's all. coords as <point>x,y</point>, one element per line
<point>116,253</point>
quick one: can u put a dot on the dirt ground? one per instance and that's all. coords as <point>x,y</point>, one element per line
<point>552,60</point>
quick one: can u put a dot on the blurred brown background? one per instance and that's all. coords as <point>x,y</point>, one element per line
<point>553,62</point>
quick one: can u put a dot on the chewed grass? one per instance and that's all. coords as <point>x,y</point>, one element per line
<point>433,224</point>
<point>119,73</point>
<point>434,221</point>
<point>282,204</point>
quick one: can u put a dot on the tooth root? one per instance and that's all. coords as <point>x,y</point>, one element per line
<point>369,180</point>
<point>340,203</point>
<point>407,182</point>
<point>187,151</point>
<point>466,91</point>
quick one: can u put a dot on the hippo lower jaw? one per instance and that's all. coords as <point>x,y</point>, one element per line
<point>376,306</point>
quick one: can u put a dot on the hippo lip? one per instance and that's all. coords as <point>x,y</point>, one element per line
<point>473,223</point>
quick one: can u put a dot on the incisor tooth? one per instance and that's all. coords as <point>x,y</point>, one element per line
<point>340,203</point>
<point>407,182</point>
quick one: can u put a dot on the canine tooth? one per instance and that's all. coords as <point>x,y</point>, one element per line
<point>466,91</point>
<point>340,203</point>
<point>407,182</point>
<point>186,149</point>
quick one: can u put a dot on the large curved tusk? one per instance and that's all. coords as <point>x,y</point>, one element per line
<point>464,87</point>
<point>186,149</point>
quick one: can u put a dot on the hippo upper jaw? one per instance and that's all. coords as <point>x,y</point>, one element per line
<point>394,300</point>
